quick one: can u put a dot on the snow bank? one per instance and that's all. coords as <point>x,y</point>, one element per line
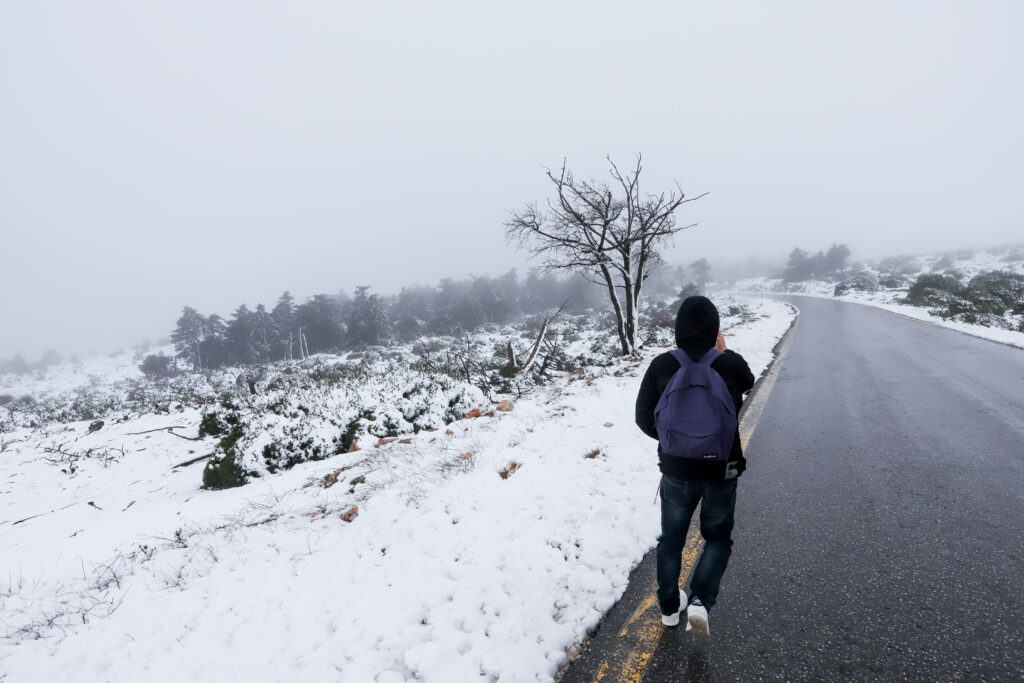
<point>484,550</point>
<point>964,267</point>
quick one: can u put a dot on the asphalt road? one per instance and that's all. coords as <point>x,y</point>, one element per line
<point>880,524</point>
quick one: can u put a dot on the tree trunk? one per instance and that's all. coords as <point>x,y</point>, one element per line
<point>630,317</point>
<point>638,284</point>
<point>618,309</point>
<point>536,345</point>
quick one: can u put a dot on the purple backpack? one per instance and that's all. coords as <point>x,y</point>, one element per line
<point>695,416</point>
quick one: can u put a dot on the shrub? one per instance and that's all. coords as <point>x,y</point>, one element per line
<point>997,292</point>
<point>892,281</point>
<point>157,366</point>
<point>927,286</point>
<point>860,282</point>
<point>224,471</point>
<point>354,429</point>
<point>984,301</point>
<point>211,425</point>
<point>898,265</point>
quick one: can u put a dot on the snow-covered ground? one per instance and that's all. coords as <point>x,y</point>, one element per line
<point>484,550</point>
<point>890,298</point>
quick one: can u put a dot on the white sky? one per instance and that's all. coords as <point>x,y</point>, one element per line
<point>154,155</point>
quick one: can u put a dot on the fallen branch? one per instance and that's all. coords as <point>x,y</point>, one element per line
<point>192,461</point>
<point>158,429</point>
<point>514,367</point>
<point>181,436</point>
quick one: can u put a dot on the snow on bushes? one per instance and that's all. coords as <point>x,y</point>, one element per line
<point>326,410</point>
<point>989,298</point>
<point>862,281</point>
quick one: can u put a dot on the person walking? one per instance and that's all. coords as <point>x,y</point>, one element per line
<point>695,468</point>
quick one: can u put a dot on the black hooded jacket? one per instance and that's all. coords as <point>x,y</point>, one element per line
<point>696,332</point>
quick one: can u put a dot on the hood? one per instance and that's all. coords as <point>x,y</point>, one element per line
<point>696,326</point>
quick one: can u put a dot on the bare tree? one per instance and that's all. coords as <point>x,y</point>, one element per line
<point>612,236</point>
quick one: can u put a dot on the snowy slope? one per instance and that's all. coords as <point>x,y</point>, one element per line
<point>445,571</point>
<point>966,266</point>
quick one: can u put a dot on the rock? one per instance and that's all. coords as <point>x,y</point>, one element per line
<point>472,414</point>
<point>350,514</point>
<point>405,441</point>
<point>505,406</point>
<point>354,447</point>
<point>385,441</point>
<point>96,426</point>
<point>608,424</point>
<point>510,469</point>
<point>488,413</point>
<point>593,454</point>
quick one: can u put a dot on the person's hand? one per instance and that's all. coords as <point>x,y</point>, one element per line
<point>720,342</point>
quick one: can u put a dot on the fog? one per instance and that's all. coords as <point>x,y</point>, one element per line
<point>157,155</point>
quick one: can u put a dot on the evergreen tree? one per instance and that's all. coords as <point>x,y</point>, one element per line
<point>264,334</point>
<point>239,337</point>
<point>188,337</point>
<point>412,310</point>
<point>836,257</point>
<point>319,326</point>
<point>367,319</point>
<point>214,346</point>
<point>285,342</point>
<point>701,270</point>
<point>799,267</point>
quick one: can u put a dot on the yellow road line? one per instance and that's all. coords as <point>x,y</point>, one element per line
<point>641,635</point>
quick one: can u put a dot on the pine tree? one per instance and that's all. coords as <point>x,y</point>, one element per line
<point>214,346</point>
<point>264,334</point>
<point>836,257</point>
<point>367,319</point>
<point>318,325</point>
<point>239,337</point>
<point>188,337</point>
<point>412,311</point>
<point>285,342</point>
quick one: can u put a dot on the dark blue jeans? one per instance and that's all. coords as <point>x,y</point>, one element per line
<point>679,498</point>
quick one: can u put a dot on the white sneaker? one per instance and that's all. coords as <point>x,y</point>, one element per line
<point>673,619</point>
<point>697,619</point>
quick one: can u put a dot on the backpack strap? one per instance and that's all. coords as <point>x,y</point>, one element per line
<point>710,357</point>
<point>707,359</point>
<point>681,356</point>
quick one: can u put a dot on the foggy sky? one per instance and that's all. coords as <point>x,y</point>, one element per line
<point>156,155</point>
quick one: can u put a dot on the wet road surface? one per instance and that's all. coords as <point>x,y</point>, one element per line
<point>880,523</point>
